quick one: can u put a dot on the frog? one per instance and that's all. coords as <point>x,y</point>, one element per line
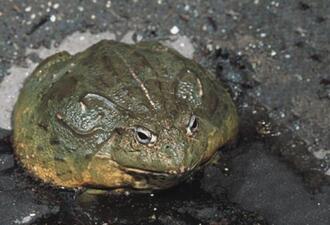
<point>121,116</point>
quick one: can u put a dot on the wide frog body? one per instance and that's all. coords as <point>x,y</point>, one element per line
<point>118,115</point>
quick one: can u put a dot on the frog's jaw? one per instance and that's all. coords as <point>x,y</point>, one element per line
<point>102,172</point>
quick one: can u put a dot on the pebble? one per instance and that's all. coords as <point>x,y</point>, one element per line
<point>273,53</point>
<point>6,161</point>
<point>28,9</point>
<point>174,30</point>
<point>53,18</point>
<point>209,47</point>
<point>56,5</point>
<point>287,56</point>
<point>139,38</point>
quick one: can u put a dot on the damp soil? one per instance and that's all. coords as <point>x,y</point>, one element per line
<point>273,56</point>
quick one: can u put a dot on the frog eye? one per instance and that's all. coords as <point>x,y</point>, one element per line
<point>144,136</point>
<point>192,125</point>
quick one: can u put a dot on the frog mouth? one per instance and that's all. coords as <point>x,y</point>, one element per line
<point>148,179</point>
<point>170,173</point>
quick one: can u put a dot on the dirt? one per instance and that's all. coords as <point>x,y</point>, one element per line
<point>272,55</point>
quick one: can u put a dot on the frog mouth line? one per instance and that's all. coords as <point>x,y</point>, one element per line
<point>155,173</point>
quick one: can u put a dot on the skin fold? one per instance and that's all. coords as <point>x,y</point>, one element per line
<point>118,115</point>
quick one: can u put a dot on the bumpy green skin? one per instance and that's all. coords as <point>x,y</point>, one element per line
<point>75,117</point>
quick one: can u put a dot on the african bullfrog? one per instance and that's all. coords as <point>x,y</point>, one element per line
<point>136,116</point>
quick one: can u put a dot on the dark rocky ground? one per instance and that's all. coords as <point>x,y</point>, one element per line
<point>273,55</point>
